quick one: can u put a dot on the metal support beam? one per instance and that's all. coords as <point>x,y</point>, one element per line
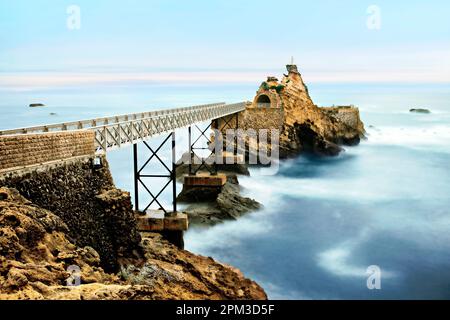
<point>212,169</point>
<point>171,175</point>
<point>174,174</point>
<point>192,148</point>
<point>136,177</point>
<point>228,125</point>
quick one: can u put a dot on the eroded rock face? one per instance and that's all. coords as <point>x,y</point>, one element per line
<point>287,106</point>
<point>96,213</point>
<point>36,256</point>
<point>35,252</point>
<point>310,128</point>
<point>170,271</point>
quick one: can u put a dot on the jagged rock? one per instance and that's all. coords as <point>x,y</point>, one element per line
<point>205,214</point>
<point>227,204</point>
<point>310,128</point>
<point>231,203</point>
<point>206,277</point>
<point>34,247</point>
<point>287,106</point>
<point>96,213</point>
<point>199,194</point>
<point>312,141</point>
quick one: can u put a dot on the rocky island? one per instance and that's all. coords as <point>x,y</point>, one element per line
<point>420,110</point>
<point>304,127</point>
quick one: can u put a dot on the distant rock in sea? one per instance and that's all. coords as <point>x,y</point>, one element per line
<point>34,105</point>
<point>425,111</point>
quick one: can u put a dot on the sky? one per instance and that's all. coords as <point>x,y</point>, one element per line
<point>223,41</point>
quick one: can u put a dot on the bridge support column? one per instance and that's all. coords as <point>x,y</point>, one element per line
<point>170,223</point>
<point>207,184</point>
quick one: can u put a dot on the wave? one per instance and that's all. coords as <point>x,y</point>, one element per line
<point>430,137</point>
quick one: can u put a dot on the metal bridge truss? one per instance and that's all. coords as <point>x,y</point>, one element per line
<point>206,162</point>
<point>119,131</point>
<point>114,132</point>
<point>109,137</point>
<point>170,173</point>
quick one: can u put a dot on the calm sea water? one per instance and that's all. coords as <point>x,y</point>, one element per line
<point>325,221</point>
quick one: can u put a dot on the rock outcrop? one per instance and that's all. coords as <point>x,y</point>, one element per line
<point>308,127</point>
<point>420,110</point>
<point>39,261</point>
<point>210,206</point>
<point>85,198</point>
<point>287,106</point>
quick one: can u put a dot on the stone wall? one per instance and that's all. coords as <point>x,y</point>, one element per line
<point>257,118</point>
<point>346,114</point>
<point>31,149</point>
<point>98,215</point>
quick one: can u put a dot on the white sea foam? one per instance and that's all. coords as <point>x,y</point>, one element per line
<point>205,240</point>
<point>279,293</point>
<point>337,260</point>
<point>430,137</point>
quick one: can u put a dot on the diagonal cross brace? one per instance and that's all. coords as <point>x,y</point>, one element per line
<point>138,181</point>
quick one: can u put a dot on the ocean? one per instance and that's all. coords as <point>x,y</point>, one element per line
<point>325,221</point>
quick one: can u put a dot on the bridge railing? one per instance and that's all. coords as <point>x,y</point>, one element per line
<point>112,136</point>
<point>117,131</point>
<point>92,123</point>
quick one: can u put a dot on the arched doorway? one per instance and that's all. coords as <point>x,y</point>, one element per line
<point>263,101</point>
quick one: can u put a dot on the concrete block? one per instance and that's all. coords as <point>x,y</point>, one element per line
<point>205,180</point>
<point>152,221</point>
<point>178,222</point>
<point>156,221</point>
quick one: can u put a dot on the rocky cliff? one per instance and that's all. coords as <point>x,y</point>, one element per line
<point>306,126</point>
<point>96,213</point>
<point>87,245</point>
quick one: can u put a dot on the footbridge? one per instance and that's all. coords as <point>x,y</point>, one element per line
<point>124,130</point>
<point>37,146</point>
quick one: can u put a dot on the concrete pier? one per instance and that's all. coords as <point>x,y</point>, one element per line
<point>157,221</point>
<point>204,180</point>
<point>171,226</point>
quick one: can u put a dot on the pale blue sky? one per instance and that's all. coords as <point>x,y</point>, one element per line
<point>177,38</point>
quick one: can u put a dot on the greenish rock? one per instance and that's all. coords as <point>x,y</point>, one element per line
<point>423,111</point>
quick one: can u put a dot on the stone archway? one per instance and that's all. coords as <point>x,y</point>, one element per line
<point>263,101</point>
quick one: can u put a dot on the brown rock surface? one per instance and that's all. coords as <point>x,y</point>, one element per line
<point>309,127</point>
<point>303,125</point>
<point>36,256</point>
